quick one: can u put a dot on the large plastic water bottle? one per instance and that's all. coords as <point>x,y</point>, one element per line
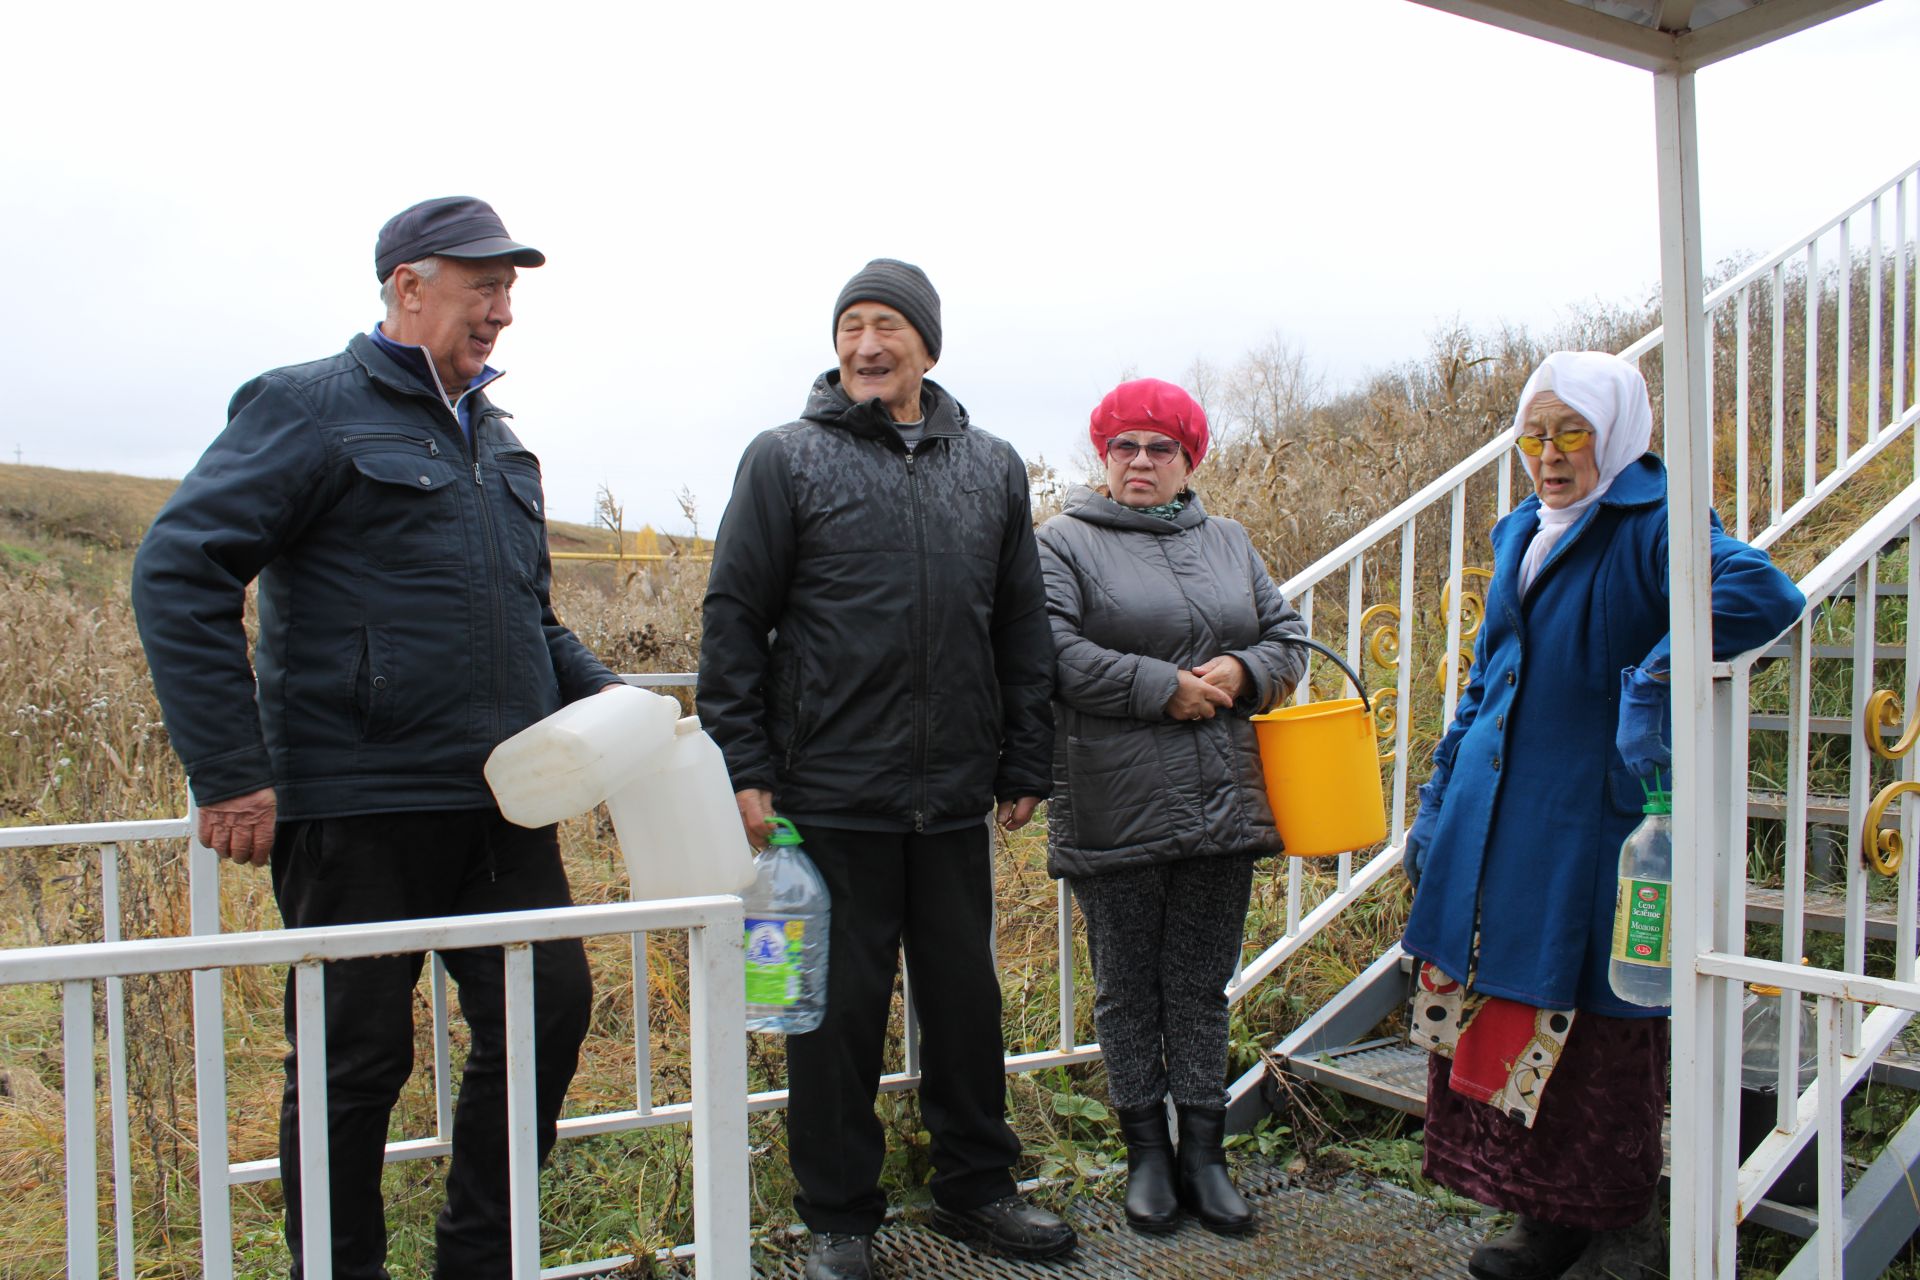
<point>1641,968</point>
<point>1760,1039</point>
<point>787,916</point>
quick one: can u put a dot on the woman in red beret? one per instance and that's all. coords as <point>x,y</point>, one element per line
<point>1169,635</point>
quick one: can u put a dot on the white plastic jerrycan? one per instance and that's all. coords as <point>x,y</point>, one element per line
<point>562,766</point>
<point>663,780</point>
<point>678,825</point>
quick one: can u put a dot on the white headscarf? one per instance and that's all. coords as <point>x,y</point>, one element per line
<point>1612,396</point>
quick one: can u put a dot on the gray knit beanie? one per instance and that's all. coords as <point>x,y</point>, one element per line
<point>899,285</point>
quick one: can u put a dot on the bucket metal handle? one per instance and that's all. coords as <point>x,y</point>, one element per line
<point>1338,661</point>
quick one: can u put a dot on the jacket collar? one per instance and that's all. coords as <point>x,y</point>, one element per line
<point>1085,503</point>
<point>830,406</point>
<point>397,375</point>
<point>1642,484</point>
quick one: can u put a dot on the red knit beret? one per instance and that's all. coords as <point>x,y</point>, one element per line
<point>1149,404</point>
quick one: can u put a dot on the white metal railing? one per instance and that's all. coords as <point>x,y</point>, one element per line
<point>718,1107</point>
<point>1837,443</point>
<point>1858,1017</point>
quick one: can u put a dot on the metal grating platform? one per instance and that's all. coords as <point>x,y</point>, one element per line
<point>1350,1231</point>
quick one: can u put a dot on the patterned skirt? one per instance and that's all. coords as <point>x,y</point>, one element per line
<point>1592,1157</point>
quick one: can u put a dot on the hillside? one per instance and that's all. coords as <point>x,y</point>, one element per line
<point>87,523</point>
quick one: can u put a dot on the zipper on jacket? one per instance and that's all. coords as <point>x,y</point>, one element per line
<point>496,589</point>
<point>433,450</point>
<point>921,644</point>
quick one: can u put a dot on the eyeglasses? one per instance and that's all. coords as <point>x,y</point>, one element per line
<point>1160,452</point>
<point>1565,441</point>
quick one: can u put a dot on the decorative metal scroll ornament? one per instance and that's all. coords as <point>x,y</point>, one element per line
<point>1883,712</point>
<point>1885,849</point>
<point>1473,615</point>
<point>1383,646</point>
<point>1386,718</point>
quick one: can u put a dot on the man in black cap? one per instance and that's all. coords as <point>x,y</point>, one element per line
<point>396,526</point>
<point>876,664</point>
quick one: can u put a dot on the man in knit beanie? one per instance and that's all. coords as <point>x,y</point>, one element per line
<point>876,664</point>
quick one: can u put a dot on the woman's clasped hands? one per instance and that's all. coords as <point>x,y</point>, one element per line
<point>1208,689</point>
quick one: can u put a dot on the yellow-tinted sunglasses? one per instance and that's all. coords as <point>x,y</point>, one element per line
<point>1565,441</point>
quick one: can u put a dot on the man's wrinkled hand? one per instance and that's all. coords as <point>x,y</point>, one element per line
<point>1011,815</point>
<point>755,806</point>
<point>241,828</point>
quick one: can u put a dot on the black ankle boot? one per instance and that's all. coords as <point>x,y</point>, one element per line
<point>1530,1250</point>
<point>1206,1191</point>
<point>1152,1204</point>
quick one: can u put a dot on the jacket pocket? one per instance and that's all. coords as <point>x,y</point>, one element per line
<point>524,517</point>
<point>405,509</point>
<point>371,686</point>
<point>1624,791</point>
<point>1117,784</point>
<point>797,710</point>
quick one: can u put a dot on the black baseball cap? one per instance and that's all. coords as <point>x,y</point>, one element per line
<point>452,227</point>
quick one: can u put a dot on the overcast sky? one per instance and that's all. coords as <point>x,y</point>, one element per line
<point>190,195</point>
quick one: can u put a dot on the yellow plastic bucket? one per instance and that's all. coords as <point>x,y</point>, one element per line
<point>1323,775</point>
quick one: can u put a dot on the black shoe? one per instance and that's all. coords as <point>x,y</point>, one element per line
<point>1152,1204</point>
<point>835,1256</point>
<point>1206,1190</point>
<point>1531,1250</point>
<point>1008,1225</point>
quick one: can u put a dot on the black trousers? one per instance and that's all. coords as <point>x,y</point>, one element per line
<point>935,892</point>
<point>1163,940</point>
<point>405,866</point>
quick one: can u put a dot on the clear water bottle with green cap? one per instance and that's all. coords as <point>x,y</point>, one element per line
<point>1640,969</point>
<point>787,914</point>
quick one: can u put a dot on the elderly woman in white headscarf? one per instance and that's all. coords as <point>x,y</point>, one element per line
<point>1545,1088</point>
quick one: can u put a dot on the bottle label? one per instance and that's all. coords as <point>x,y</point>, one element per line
<point>773,959</point>
<point>1641,929</point>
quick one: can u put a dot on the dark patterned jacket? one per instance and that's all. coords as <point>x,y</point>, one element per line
<point>875,648</point>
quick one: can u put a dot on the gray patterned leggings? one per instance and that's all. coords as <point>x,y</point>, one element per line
<point>1164,940</point>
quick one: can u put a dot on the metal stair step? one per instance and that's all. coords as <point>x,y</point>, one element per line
<point>1828,810</point>
<point>1823,912</point>
<point>1391,1072</point>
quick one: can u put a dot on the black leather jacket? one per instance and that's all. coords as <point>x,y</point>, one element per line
<point>405,627</point>
<point>905,683</point>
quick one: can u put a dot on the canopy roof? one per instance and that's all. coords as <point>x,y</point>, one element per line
<point>1654,35</point>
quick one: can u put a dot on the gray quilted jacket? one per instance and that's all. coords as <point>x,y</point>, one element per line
<point>1133,599</point>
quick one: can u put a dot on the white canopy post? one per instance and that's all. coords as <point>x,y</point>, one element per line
<point>1702,1240</point>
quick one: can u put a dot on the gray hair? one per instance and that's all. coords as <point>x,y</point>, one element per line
<point>426,269</point>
